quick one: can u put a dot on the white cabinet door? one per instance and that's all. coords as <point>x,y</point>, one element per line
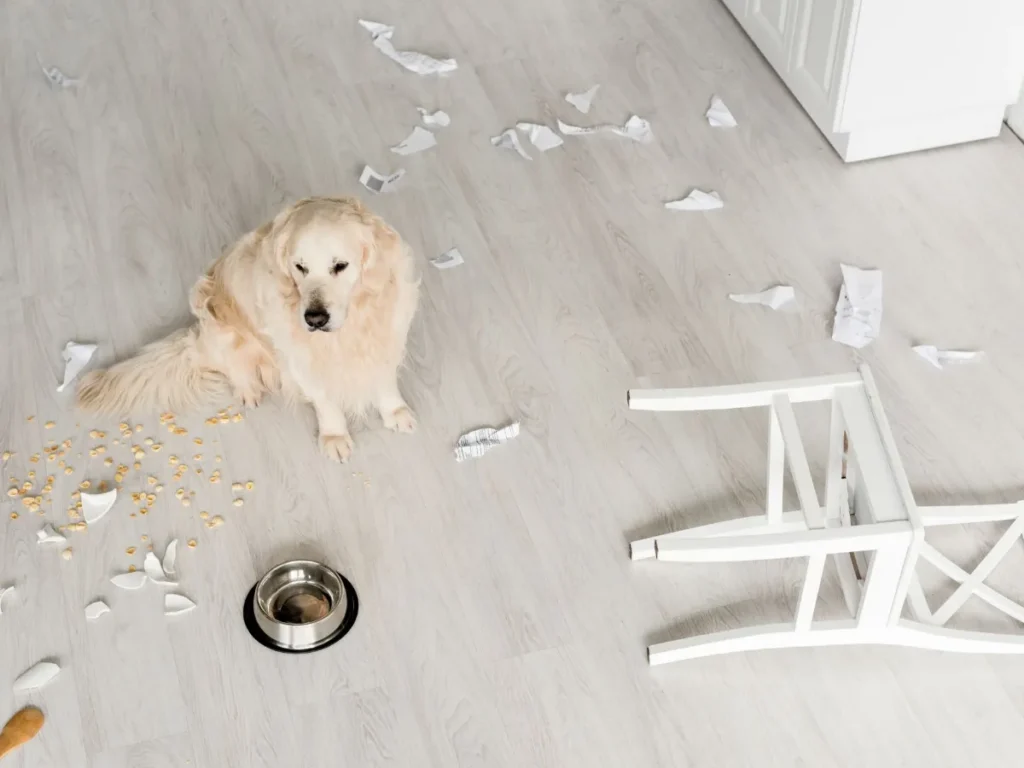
<point>818,56</point>
<point>770,25</point>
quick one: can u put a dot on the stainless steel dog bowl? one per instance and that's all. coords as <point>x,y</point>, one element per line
<point>300,605</point>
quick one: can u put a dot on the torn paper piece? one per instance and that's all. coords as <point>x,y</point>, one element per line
<point>636,128</point>
<point>439,119</point>
<point>475,444</point>
<point>448,259</point>
<point>378,184</point>
<point>420,63</point>
<point>940,358</point>
<point>56,77</point>
<point>170,560</point>
<point>75,358</point>
<point>4,591</point>
<point>542,137</point>
<point>417,141</point>
<point>780,297</point>
<point>47,535</point>
<point>94,610</point>
<point>130,580</point>
<point>154,570</point>
<point>96,505</point>
<point>697,200</point>
<point>859,308</point>
<point>177,604</point>
<point>582,101</point>
<point>509,140</point>
<point>719,115</point>
<point>37,677</point>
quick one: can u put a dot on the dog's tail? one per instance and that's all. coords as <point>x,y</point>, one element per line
<point>167,375</point>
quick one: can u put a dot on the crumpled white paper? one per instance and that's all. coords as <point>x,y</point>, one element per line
<point>781,297</point>
<point>636,128</point>
<point>940,358</point>
<point>96,505</point>
<point>76,356</point>
<point>542,137</point>
<point>509,140</point>
<point>420,63</point>
<point>719,115</point>
<point>130,580</point>
<point>170,560</point>
<point>475,444</point>
<point>439,119</point>
<point>584,99</point>
<point>47,535</point>
<point>377,183</point>
<point>4,591</point>
<point>859,308</point>
<point>697,200</point>
<point>417,141</point>
<point>448,259</point>
<point>36,677</point>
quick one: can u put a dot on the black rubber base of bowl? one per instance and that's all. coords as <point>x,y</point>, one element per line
<point>351,612</point>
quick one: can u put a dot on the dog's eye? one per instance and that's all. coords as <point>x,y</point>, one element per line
<point>302,270</point>
<point>340,267</point>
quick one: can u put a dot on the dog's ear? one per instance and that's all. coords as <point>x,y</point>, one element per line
<point>381,251</point>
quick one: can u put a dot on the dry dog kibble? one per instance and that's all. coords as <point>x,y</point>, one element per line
<point>215,522</point>
<point>156,447</point>
<point>85,485</point>
<point>132,569</point>
<point>139,454</point>
<point>145,537</point>
<point>197,457</point>
<point>34,458</point>
<point>204,515</point>
<point>118,477</point>
<point>31,474</point>
<point>143,510</point>
<point>148,441</point>
<point>166,417</point>
<point>14,515</point>
<point>183,467</point>
<point>26,486</point>
<point>180,493</point>
<point>186,502</point>
<point>237,417</point>
<point>199,470</point>
<point>48,488</point>
<point>80,526</point>
<point>50,424</point>
<point>123,426</point>
<point>151,480</point>
<point>172,460</point>
<point>29,418</point>
<point>138,427</point>
<point>137,465</point>
<point>102,486</point>
<point>192,543</point>
<point>197,440</point>
<point>69,470</point>
<point>6,455</point>
<point>158,488</point>
<point>95,434</point>
<point>12,492</point>
<point>238,502</point>
<point>108,462</point>
<point>66,554</point>
<point>217,458</point>
<point>130,551</point>
<point>150,498</point>
<point>236,487</point>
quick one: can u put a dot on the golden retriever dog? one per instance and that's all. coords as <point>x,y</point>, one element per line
<point>315,304</point>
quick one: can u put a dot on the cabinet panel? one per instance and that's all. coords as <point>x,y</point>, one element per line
<point>818,56</point>
<point>770,25</point>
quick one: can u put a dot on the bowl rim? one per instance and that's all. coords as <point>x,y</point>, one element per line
<point>258,601</point>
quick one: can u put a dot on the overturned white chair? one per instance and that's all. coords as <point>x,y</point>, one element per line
<point>869,524</point>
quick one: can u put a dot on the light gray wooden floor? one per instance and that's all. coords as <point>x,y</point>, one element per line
<point>502,623</point>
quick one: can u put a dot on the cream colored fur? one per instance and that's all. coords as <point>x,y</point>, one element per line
<point>326,261</point>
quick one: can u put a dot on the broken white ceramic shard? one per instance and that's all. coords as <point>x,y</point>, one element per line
<point>151,565</point>
<point>176,604</point>
<point>940,358</point>
<point>448,259</point>
<point>719,115</point>
<point>170,558</point>
<point>697,200</point>
<point>377,183</point>
<point>417,141</point>
<point>636,128</point>
<point>56,77</point>
<point>859,308</point>
<point>94,610</point>
<point>475,444</point>
<point>47,535</point>
<point>542,137</point>
<point>420,63</point>
<point>780,297</point>
<point>439,119</point>
<point>130,580</point>
<point>4,591</point>
<point>36,677</point>
<point>75,358</point>
<point>582,101</point>
<point>509,140</point>
<point>96,505</point>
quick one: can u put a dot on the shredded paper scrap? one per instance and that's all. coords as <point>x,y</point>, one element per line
<point>475,444</point>
<point>420,63</point>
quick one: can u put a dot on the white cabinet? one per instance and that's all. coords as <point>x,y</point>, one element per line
<point>882,77</point>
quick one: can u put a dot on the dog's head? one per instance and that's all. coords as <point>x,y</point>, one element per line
<point>329,251</point>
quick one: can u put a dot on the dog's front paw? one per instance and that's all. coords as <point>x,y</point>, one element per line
<point>402,419</point>
<point>336,447</point>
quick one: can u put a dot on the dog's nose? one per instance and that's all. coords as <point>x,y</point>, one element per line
<point>316,318</point>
